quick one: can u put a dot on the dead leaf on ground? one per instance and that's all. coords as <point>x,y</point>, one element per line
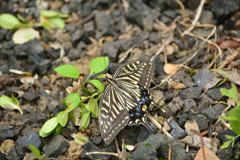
<point>208,154</point>
<point>232,75</point>
<point>225,43</point>
<point>170,68</point>
<point>195,141</point>
<point>191,124</point>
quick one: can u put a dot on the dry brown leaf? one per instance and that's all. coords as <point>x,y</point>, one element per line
<point>225,43</point>
<point>195,141</point>
<point>209,155</point>
<point>233,75</point>
<point>170,68</point>
<point>191,124</point>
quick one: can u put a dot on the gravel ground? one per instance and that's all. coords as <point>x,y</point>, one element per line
<point>156,30</point>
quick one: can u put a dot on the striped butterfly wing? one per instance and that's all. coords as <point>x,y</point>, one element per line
<point>124,97</point>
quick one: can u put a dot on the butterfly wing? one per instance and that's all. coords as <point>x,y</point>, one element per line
<point>122,96</point>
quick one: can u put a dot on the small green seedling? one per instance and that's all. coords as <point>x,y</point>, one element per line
<point>233,115</point>
<point>36,152</point>
<point>10,103</point>
<point>88,105</point>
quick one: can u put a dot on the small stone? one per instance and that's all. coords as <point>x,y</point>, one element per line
<point>191,93</point>
<point>56,147</point>
<point>97,140</point>
<point>176,131</point>
<point>22,143</point>
<point>201,120</point>
<point>210,114</point>
<point>31,95</point>
<point>189,104</point>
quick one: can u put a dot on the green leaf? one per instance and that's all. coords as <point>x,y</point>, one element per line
<point>129,147</point>
<point>62,118</point>
<point>226,144</point>
<point>234,124</point>
<point>229,137</point>
<point>10,103</point>
<point>72,101</point>
<point>232,93</point>
<point>57,22</point>
<point>93,106</point>
<point>80,139</point>
<point>68,71</point>
<point>36,152</point>
<point>8,21</point>
<point>229,118</point>
<point>222,72</point>
<point>97,84</point>
<point>49,14</point>
<point>43,134</point>
<point>85,120</point>
<point>98,65</point>
<point>85,90</point>
<point>58,129</point>
<point>50,125</point>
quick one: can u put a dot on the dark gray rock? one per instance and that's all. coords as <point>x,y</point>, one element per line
<point>154,37</point>
<point>222,135</point>
<point>56,147</point>
<point>201,120</point>
<point>87,9</point>
<point>52,53</point>
<point>175,105</point>
<point>210,114</point>
<point>218,108</point>
<point>65,9</point>
<point>174,4</point>
<point>189,104</point>
<point>2,157</point>
<point>69,129</point>
<point>207,17</point>
<point>225,154</point>
<point>223,8</point>
<point>74,54</point>
<point>111,49</point>
<point>22,144</point>
<point>90,147</point>
<point>183,119</point>
<point>8,45</point>
<point>12,154</point>
<point>96,140</point>
<point>193,4</point>
<point>187,81</point>
<point>31,95</point>
<point>103,20</point>
<point>41,118</point>
<point>34,127</point>
<point>3,33</point>
<point>204,78</point>
<point>158,145</point>
<point>191,93</point>
<point>77,36</point>
<point>176,131</point>
<point>129,134</point>
<point>215,93</point>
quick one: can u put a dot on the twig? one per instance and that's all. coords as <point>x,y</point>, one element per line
<point>199,11</point>
<point>169,152</point>
<point>111,8</point>
<point>158,125</point>
<point>168,40</point>
<point>203,149</point>
<point>85,19</point>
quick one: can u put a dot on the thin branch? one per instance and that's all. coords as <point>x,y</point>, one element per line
<point>158,125</point>
<point>199,11</point>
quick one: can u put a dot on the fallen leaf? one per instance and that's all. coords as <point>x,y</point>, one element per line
<point>208,154</point>
<point>170,68</point>
<point>23,35</point>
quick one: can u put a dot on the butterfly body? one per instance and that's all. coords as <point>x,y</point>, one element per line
<point>126,100</point>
